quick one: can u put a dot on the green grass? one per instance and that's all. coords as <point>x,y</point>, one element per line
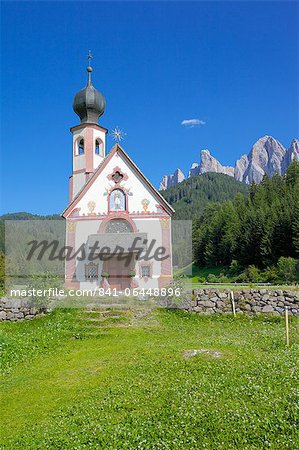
<point>235,286</point>
<point>119,380</point>
<point>192,272</point>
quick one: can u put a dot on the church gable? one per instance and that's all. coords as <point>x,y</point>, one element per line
<point>117,185</point>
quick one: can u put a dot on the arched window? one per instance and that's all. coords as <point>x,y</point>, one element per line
<point>117,200</point>
<point>118,226</point>
<point>97,148</point>
<point>81,147</point>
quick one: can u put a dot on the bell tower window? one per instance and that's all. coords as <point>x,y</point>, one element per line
<point>97,148</point>
<point>81,147</point>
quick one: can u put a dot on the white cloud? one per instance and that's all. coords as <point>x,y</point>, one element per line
<point>190,123</point>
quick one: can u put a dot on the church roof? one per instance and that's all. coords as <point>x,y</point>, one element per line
<point>116,149</point>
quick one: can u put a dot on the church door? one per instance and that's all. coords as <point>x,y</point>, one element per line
<point>119,269</point>
<point>119,272</point>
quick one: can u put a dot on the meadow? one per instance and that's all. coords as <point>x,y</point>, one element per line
<point>195,277</point>
<point>130,379</point>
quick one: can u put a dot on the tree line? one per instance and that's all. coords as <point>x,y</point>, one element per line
<point>191,196</point>
<point>259,231</point>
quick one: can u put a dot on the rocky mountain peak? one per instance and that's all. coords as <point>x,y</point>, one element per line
<point>194,170</point>
<point>267,156</point>
<point>210,164</point>
<point>292,154</point>
<point>171,180</point>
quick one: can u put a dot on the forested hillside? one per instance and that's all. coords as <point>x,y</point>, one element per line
<point>16,216</point>
<point>21,216</point>
<point>258,231</point>
<point>190,197</point>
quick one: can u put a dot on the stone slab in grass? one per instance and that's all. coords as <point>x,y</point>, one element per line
<point>189,353</point>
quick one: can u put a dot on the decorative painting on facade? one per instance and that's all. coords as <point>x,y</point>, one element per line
<point>117,200</point>
<point>128,214</point>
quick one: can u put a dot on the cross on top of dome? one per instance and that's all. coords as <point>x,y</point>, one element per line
<point>89,103</point>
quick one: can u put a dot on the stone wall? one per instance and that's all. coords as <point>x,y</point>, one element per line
<point>16,309</point>
<point>204,301</point>
<point>253,301</point>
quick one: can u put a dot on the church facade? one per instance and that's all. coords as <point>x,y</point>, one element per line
<point>117,223</point>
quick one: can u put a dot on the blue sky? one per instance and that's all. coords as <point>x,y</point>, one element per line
<point>232,65</point>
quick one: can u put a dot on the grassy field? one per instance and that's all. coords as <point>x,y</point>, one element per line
<point>125,380</point>
<point>240,286</point>
<point>192,273</point>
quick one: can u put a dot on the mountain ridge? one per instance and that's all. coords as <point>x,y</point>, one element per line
<point>266,157</point>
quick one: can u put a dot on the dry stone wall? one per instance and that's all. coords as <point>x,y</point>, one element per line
<point>204,301</point>
<point>17,309</point>
<point>253,301</point>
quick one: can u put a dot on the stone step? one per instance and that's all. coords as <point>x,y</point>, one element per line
<point>87,335</point>
<point>110,313</point>
<point>104,322</point>
<point>100,316</point>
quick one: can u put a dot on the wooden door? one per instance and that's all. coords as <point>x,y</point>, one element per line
<point>118,273</point>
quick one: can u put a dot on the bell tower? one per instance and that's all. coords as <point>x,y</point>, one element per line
<point>89,138</point>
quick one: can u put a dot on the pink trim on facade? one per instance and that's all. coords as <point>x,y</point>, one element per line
<point>89,149</point>
<point>75,172</point>
<point>94,126</point>
<point>160,209</point>
<point>117,169</point>
<point>70,267</point>
<point>71,186</point>
<point>166,269</point>
<point>74,212</point>
<point>164,280</point>
<point>85,187</point>
<point>99,216</point>
<point>88,175</point>
<point>100,168</point>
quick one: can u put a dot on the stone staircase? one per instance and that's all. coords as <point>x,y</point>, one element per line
<point>96,322</point>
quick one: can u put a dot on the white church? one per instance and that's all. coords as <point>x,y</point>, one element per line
<point>114,213</point>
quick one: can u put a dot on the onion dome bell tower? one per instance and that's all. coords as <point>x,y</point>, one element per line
<point>89,103</point>
<point>89,138</point>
